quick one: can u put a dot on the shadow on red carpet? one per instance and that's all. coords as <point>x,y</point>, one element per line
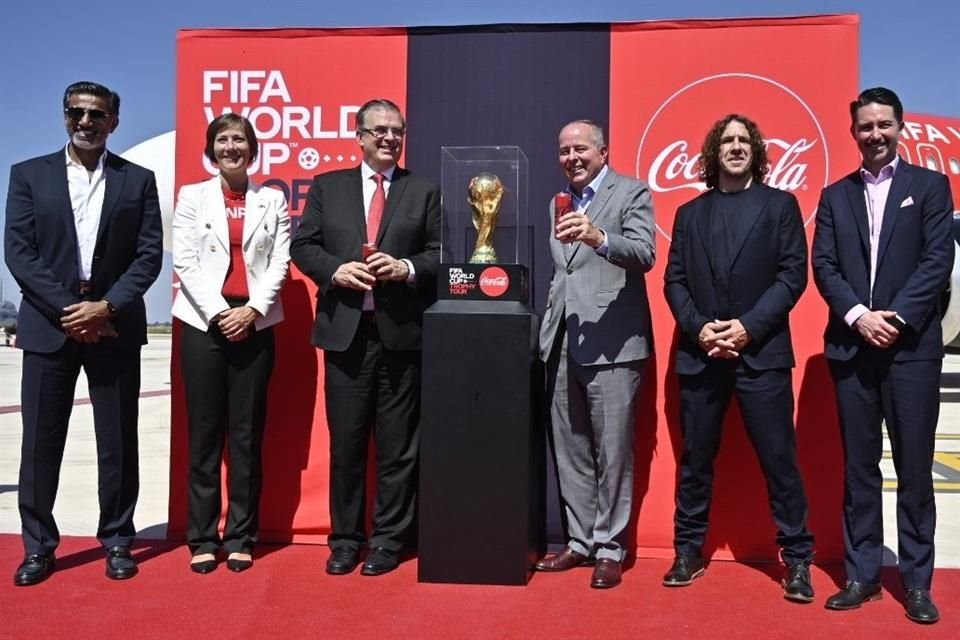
<point>287,594</point>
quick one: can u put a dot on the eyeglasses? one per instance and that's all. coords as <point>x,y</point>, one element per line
<point>76,114</point>
<point>381,132</point>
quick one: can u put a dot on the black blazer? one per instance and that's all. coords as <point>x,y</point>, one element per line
<point>333,228</point>
<point>40,248</point>
<point>913,262</point>
<point>768,274</point>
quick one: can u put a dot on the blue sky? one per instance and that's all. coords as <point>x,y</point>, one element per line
<point>130,45</point>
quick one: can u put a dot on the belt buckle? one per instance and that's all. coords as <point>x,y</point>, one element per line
<point>84,288</point>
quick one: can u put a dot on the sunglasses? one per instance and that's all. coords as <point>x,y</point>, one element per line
<point>381,132</point>
<point>76,114</point>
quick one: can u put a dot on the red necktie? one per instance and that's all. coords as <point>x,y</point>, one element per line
<point>376,209</point>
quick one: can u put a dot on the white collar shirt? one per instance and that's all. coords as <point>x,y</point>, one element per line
<point>86,197</point>
<point>369,187</point>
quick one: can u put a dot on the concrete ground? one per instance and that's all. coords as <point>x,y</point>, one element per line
<point>76,507</point>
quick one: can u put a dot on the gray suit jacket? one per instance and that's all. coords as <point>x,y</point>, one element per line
<point>604,299</point>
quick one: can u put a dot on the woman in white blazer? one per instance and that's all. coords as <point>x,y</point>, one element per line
<point>231,249</point>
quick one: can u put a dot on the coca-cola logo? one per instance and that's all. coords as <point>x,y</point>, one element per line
<point>494,281</point>
<point>675,168</point>
<point>669,149</point>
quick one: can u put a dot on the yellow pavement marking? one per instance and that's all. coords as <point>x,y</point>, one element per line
<point>940,486</point>
<point>947,459</point>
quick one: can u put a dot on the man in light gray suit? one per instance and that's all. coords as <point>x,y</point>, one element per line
<point>595,339</point>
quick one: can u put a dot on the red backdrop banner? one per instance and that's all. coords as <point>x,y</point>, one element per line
<point>670,81</point>
<point>301,89</point>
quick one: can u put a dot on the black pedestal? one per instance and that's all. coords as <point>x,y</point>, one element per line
<point>481,445</point>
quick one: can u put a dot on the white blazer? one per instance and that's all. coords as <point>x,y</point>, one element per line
<point>201,252</point>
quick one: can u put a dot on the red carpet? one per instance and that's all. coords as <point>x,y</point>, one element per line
<point>287,595</point>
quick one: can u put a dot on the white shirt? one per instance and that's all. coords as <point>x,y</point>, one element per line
<point>369,188</point>
<point>86,198</point>
<point>370,185</point>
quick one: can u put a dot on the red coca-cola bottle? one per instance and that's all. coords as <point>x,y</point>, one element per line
<point>562,205</point>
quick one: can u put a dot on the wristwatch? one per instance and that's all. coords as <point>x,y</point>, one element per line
<point>110,308</point>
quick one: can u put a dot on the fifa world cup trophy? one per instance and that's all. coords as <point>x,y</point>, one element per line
<point>485,194</point>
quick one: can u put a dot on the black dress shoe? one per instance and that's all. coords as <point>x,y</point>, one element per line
<point>796,583</point>
<point>380,561</point>
<point>853,595</point>
<point>685,570</point>
<point>606,574</point>
<point>36,567</point>
<point>120,564</point>
<point>239,564</point>
<point>920,607</point>
<point>203,566</point>
<point>342,561</point>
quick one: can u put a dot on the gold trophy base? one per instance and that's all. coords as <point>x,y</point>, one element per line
<point>483,255</point>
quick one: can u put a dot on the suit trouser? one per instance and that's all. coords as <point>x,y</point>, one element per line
<point>47,392</point>
<point>370,388</point>
<point>766,404</point>
<point>592,422</point>
<point>226,390</point>
<point>871,391</point>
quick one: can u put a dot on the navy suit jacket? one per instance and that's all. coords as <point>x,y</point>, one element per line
<point>914,260</point>
<point>768,273</point>
<point>332,229</point>
<point>40,248</point>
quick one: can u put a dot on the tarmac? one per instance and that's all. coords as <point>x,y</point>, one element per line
<point>76,507</point>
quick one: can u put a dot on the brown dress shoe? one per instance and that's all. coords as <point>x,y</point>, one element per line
<point>606,574</point>
<point>566,559</point>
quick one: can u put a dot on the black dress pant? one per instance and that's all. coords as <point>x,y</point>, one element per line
<point>371,388</point>
<point>766,404</point>
<point>226,390</point>
<point>47,392</point>
<point>872,390</point>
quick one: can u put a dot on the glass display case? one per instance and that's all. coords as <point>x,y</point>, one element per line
<point>484,200</point>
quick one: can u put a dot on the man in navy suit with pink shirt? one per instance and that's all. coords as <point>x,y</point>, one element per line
<point>882,255</point>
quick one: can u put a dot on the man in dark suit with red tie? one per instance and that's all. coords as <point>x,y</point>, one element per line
<point>84,240</point>
<point>882,255</point>
<point>370,239</point>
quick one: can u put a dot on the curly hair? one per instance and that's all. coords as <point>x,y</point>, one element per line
<point>710,153</point>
